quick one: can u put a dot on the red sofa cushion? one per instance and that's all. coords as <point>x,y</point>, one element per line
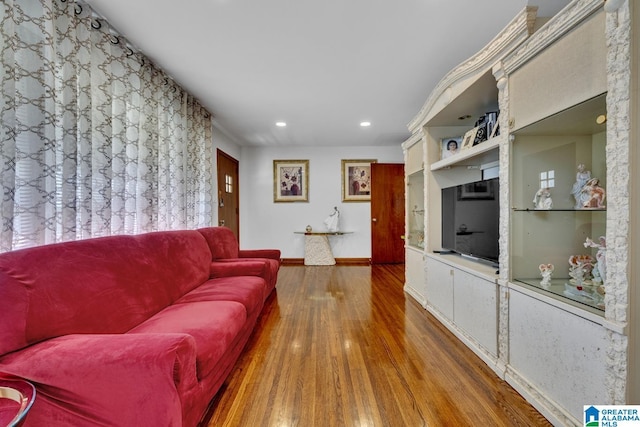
<point>224,248</point>
<point>107,379</point>
<point>246,290</point>
<point>101,285</point>
<point>214,325</point>
<point>222,242</point>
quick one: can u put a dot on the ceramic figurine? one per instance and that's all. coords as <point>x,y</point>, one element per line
<point>599,271</point>
<point>582,176</point>
<point>580,268</point>
<point>545,271</point>
<point>592,195</point>
<point>542,199</point>
<point>332,221</point>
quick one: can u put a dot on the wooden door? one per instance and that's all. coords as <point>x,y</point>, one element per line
<point>228,197</point>
<point>387,213</point>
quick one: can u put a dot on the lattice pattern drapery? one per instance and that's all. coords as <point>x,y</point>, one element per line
<point>94,140</point>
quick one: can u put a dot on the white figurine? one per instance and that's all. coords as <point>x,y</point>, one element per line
<point>332,221</point>
<point>582,176</point>
<point>545,271</point>
<point>542,199</point>
<point>600,269</point>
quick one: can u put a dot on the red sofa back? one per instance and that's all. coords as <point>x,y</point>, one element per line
<point>100,285</point>
<point>222,242</point>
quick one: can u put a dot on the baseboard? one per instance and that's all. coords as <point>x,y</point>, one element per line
<point>292,261</point>
<point>339,261</point>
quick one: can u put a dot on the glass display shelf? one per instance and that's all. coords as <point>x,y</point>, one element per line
<point>589,296</point>
<point>415,207</point>
<point>559,210</point>
<point>560,154</point>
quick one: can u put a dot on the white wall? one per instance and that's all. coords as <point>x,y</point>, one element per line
<point>265,224</point>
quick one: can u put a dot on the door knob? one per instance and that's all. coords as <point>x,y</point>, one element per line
<point>374,219</point>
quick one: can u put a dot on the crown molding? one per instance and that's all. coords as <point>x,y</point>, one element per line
<point>413,139</point>
<point>560,24</point>
<point>518,30</point>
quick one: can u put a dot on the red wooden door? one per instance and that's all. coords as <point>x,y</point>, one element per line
<point>387,213</point>
<point>228,196</point>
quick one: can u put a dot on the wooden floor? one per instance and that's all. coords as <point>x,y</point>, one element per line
<point>344,346</point>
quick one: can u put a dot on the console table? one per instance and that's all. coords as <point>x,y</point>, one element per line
<point>317,250</point>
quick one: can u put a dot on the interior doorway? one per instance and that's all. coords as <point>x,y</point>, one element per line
<point>387,213</point>
<point>228,192</point>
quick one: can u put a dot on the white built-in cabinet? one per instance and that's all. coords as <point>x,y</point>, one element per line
<point>415,215</point>
<point>464,298</point>
<point>553,82</point>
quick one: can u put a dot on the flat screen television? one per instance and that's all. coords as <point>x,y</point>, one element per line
<point>470,219</point>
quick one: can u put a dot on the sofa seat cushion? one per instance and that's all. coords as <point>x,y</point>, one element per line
<point>271,273</point>
<point>214,325</point>
<point>247,290</point>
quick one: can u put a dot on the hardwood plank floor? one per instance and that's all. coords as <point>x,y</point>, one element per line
<point>344,346</point>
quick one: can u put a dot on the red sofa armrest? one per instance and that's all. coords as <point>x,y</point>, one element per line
<point>121,379</point>
<point>238,268</point>
<point>260,253</point>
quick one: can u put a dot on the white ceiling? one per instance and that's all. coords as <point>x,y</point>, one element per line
<point>321,66</point>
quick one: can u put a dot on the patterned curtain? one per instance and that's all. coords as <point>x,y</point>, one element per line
<point>95,139</point>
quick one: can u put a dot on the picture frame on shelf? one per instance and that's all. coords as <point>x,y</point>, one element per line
<point>290,181</point>
<point>447,146</point>
<point>481,134</point>
<point>469,138</point>
<point>356,180</point>
<point>495,131</point>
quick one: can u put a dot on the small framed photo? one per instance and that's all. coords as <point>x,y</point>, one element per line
<point>450,146</point>
<point>356,180</point>
<point>469,138</point>
<point>291,181</point>
<point>481,190</point>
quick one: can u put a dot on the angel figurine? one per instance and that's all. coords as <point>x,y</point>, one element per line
<point>592,195</point>
<point>332,220</point>
<point>582,176</point>
<point>545,272</point>
<point>600,269</point>
<point>542,199</point>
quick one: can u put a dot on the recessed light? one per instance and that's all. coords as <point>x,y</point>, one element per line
<point>365,124</point>
<point>281,124</point>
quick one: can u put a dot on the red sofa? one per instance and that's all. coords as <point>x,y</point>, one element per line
<point>225,249</point>
<point>126,330</point>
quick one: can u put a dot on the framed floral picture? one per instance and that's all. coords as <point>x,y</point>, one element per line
<point>291,180</point>
<point>356,180</point>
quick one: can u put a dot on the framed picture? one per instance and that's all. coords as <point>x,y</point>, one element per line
<point>291,180</point>
<point>450,146</point>
<point>481,190</point>
<point>356,180</point>
<point>495,131</point>
<point>469,138</point>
